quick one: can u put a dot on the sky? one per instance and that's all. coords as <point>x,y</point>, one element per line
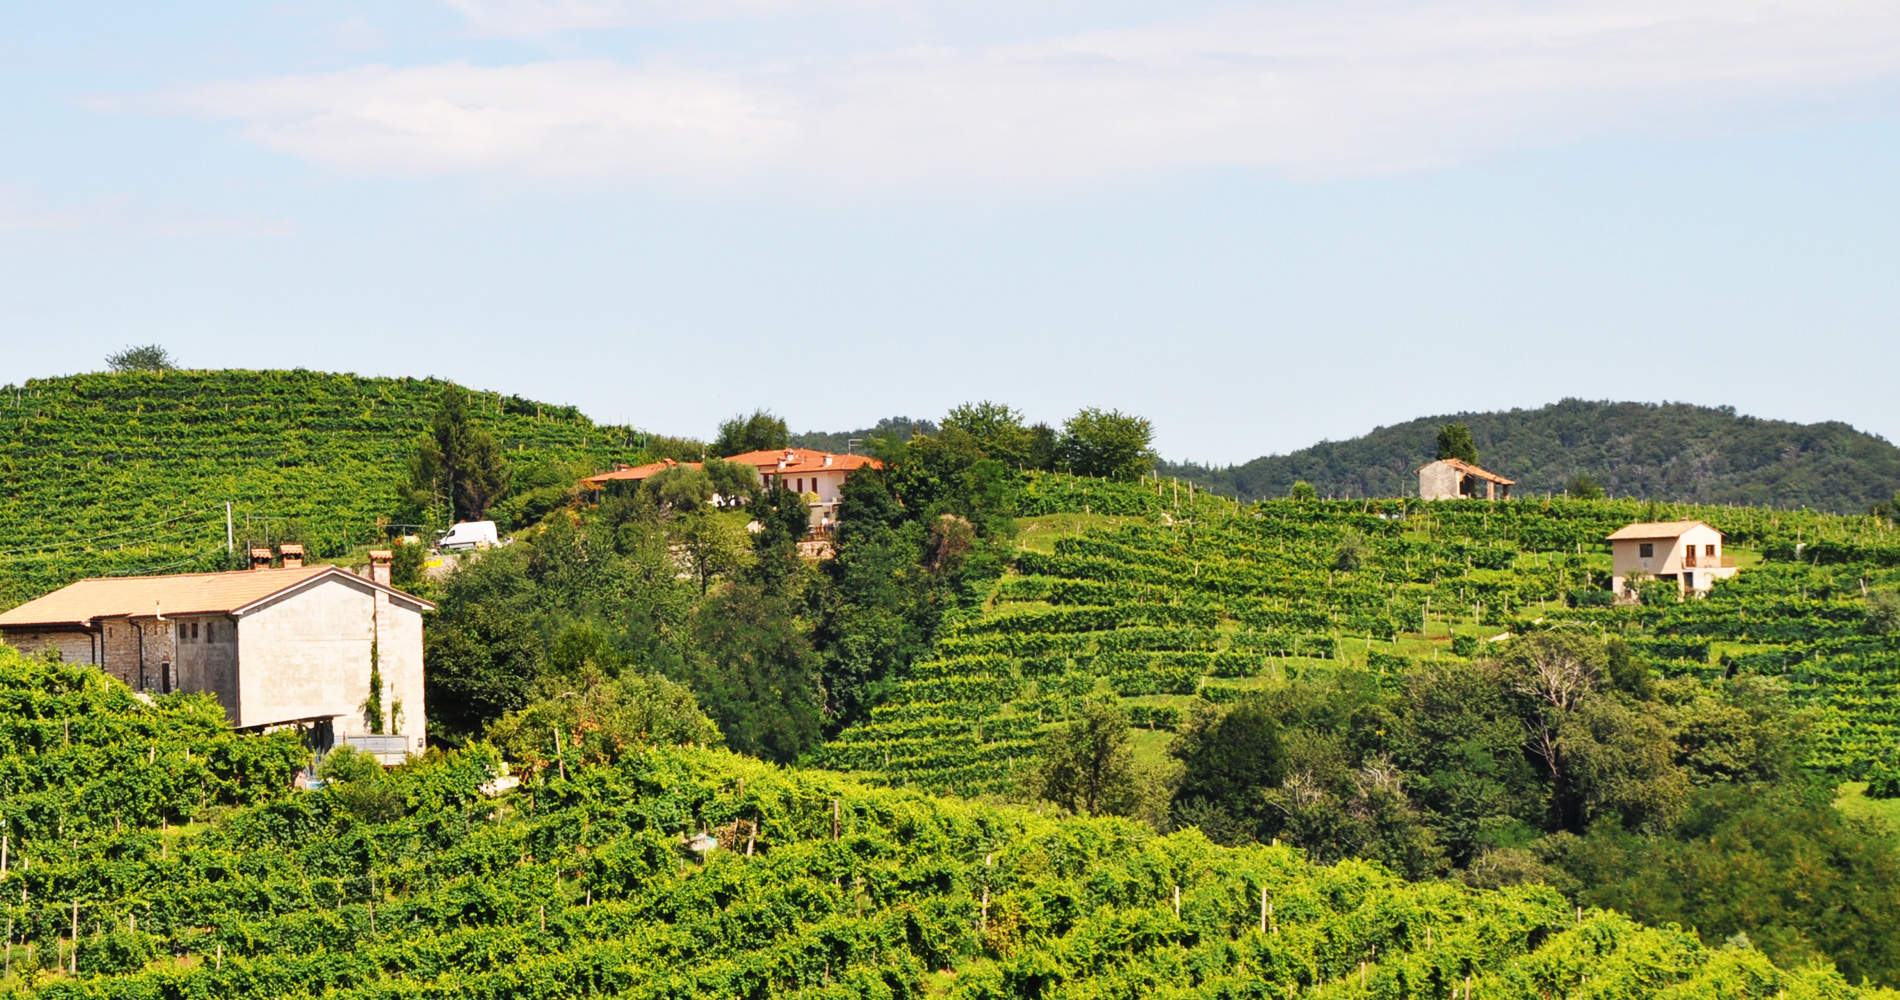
<point>1259,225</point>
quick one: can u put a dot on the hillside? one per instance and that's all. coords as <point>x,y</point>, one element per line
<point>118,473</point>
<point>578,884</point>
<point>1671,452</point>
<point>1207,600</point>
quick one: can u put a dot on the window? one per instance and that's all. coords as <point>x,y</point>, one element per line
<point>194,630</point>
<point>1646,549</point>
<point>1708,550</point>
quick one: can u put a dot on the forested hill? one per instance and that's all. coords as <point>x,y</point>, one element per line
<point>1671,452</point>
<point>129,472</point>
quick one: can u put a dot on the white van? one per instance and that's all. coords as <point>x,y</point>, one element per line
<point>469,535</point>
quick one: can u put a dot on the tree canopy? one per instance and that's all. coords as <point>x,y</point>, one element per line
<point>144,358</point>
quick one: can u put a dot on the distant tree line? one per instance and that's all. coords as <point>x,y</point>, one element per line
<point>1667,452</point>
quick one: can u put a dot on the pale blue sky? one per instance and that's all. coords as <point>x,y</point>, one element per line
<point>1258,224</point>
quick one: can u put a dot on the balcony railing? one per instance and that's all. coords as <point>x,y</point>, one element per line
<point>1693,561</point>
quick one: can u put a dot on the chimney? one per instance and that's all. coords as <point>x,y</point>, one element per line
<point>260,559</point>
<point>293,555</point>
<point>379,561</point>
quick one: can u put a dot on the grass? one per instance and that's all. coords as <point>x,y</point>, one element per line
<point>1040,534</point>
<point>1851,799</point>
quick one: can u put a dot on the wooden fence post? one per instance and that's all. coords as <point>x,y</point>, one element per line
<point>835,828</point>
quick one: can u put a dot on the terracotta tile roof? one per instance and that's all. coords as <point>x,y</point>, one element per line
<point>1470,470</point>
<point>637,473</point>
<point>178,594</point>
<point>1655,529</point>
<point>792,461</point>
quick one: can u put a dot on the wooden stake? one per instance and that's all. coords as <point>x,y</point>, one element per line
<point>220,954</point>
<point>75,955</point>
<point>752,833</point>
<point>835,828</point>
<point>1263,909</point>
<point>1177,902</point>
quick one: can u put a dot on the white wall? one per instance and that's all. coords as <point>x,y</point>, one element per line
<point>308,654</point>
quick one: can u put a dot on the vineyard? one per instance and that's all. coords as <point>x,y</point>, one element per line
<point>1206,599</point>
<point>127,473</point>
<point>151,854</point>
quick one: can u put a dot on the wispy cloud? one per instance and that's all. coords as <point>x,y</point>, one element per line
<point>23,211</point>
<point>1309,88</point>
<point>521,18</point>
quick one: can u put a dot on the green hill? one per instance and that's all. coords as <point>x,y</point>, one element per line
<point>119,473</point>
<point>1672,452</point>
<point>213,878</point>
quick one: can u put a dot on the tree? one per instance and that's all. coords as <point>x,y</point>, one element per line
<point>457,463</point>
<point>1088,764</point>
<point>1883,612</point>
<point>759,432</point>
<point>1109,444</point>
<point>146,358</point>
<point>1232,756</point>
<point>1302,491</point>
<point>608,716</point>
<point>714,543</point>
<point>1582,487</point>
<point>1454,441</point>
<point>756,673</point>
<point>1351,553</point>
<point>997,429</point>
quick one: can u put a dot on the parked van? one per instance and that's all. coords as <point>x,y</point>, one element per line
<point>469,535</point>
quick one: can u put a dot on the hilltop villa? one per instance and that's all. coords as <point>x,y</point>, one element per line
<point>276,646</point>
<point>818,474</point>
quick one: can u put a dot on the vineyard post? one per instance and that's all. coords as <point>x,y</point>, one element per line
<point>75,954</point>
<point>6,845</point>
<point>834,820</point>
<point>1177,902</point>
<point>1263,909</point>
<point>230,541</point>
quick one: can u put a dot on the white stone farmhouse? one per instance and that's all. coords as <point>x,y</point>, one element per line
<point>276,646</point>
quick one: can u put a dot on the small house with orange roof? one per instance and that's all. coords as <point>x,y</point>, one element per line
<point>1451,479</point>
<point>276,645</point>
<point>623,473</point>
<point>1686,553</point>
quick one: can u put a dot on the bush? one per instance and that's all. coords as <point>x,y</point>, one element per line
<point>1883,781</point>
<point>1464,645</point>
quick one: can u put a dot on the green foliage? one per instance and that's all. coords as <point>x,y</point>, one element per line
<point>578,884</point>
<point>601,718</point>
<point>1883,781</point>
<point>1883,612</point>
<point>1802,882</point>
<point>1351,553</point>
<point>1107,444</point>
<point>759,432</point>
<point>129,473</point>
<point>1302,491</point>
<point>1454,441</point>
<point>457,466</point>
<point>1088,764</point>
<point>146,358</point>
<point>1582,487</point>
<point>757,673</point>
<point>1688,454</point>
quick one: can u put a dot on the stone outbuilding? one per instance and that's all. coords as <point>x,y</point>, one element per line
<point>275,646</point>
<point>1451,479</point>
<point>1686,553</point>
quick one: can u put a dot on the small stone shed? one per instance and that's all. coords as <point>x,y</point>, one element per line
<point>1451,479</point>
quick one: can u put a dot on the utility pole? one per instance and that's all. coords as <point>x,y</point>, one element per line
<point>230,544</point>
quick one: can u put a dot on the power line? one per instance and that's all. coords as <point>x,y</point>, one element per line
<point>73,542</point>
